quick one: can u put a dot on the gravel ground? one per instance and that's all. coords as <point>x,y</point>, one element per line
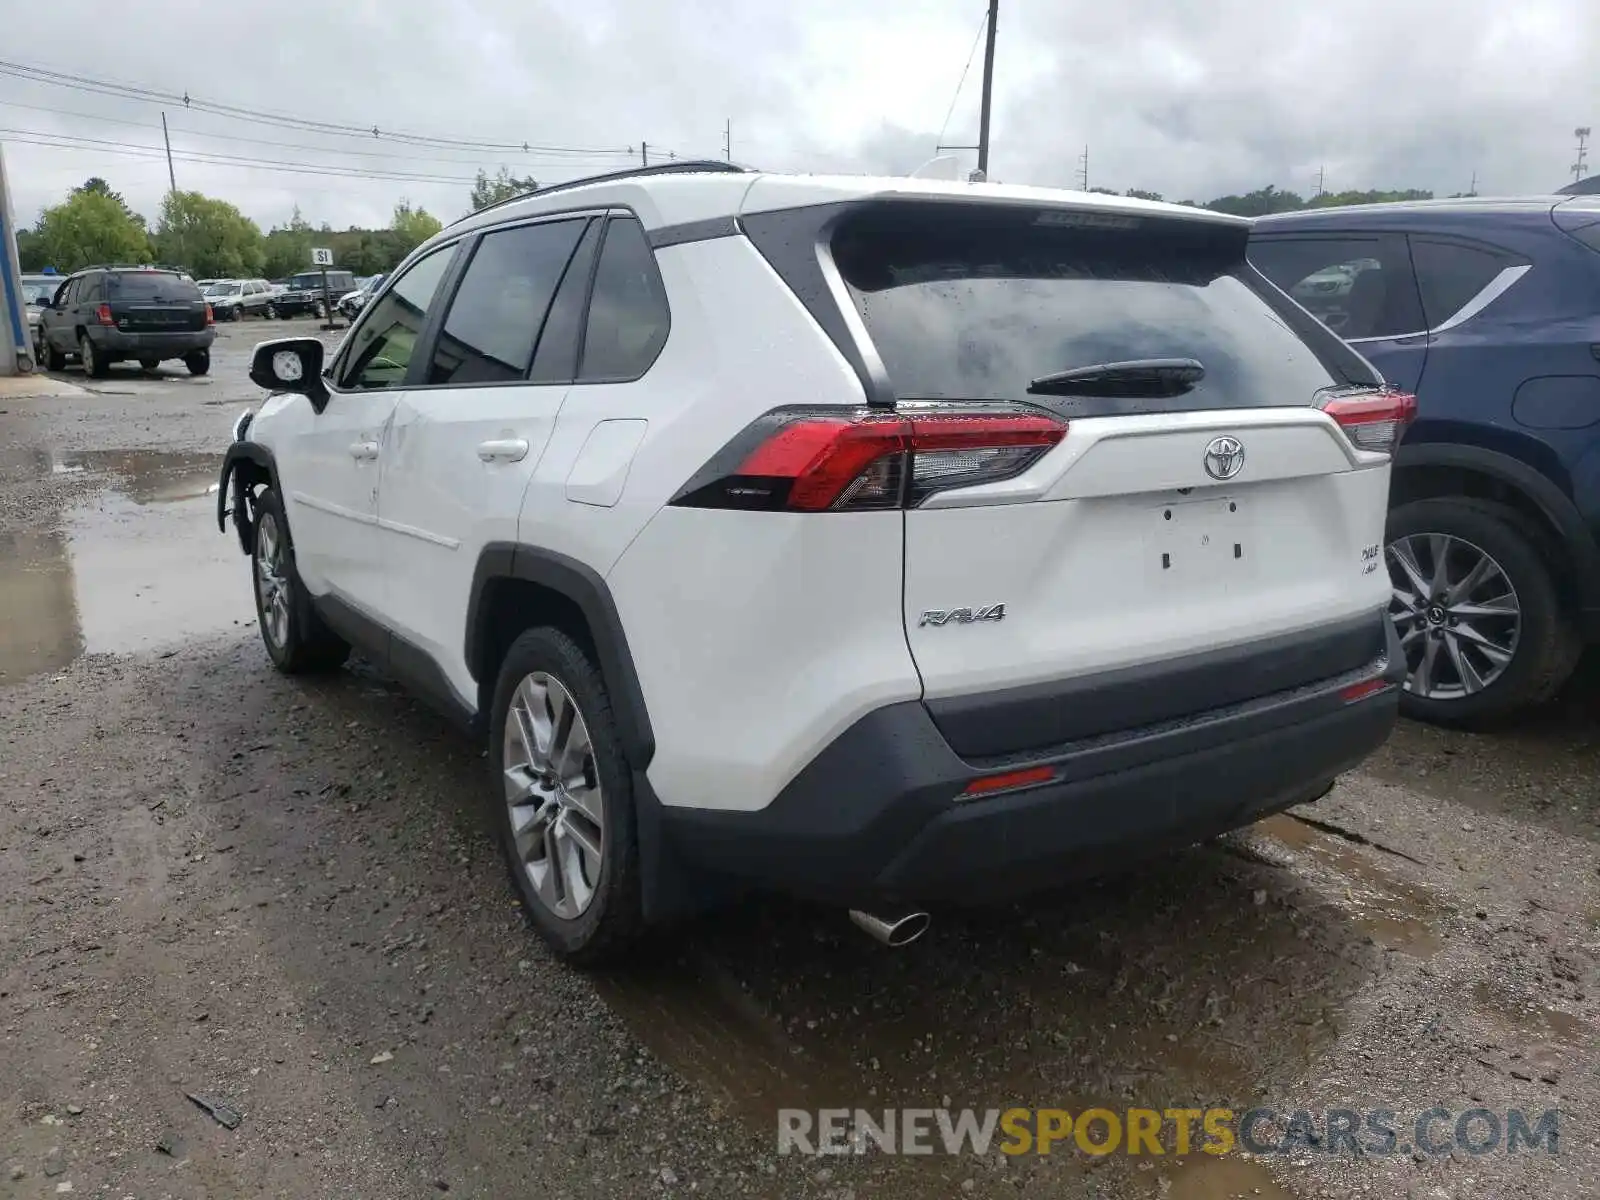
<point>282,896</point>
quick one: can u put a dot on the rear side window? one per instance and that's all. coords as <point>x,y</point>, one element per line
<point>975,303</point>
<point>628,316</point>
<point>90,290</point>
<point>1359,287</point>
<point>380,348</point>
<point>494,321</point>
<point>556,359</point>
<point>149,285</point>
<point>1450,275</point>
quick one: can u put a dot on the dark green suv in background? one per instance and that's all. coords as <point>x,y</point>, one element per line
<point>103,315</point>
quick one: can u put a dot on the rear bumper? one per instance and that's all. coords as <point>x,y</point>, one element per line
<point>167,345</point>
<point>878,817</point>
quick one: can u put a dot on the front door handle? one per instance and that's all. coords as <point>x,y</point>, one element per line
<point>363,451</point>
<point>503,450</point>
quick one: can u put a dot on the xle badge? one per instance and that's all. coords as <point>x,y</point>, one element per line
<point>962,616</point>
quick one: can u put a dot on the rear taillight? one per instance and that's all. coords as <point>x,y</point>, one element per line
<point>103,315</point>
<point>849,460</point>
<point>1373,420</point>
<point>210,316</point>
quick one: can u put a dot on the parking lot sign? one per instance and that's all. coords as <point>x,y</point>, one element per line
<point>321,258</point>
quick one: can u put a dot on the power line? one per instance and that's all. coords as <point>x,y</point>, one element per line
<point>43,137</point>
<point>485,160</point>
<point>971,54</point>
<point>128,91</point>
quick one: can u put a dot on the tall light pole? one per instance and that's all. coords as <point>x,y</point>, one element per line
<point>982,147</point>
<point>1582,134</point>
<point>988,90</point>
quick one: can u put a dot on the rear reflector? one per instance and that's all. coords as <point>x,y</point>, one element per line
<point>1360,691</point>
<point>854,459</point>
<point>210,316</point>
<point>1373,420</point>
<point>988,784</point>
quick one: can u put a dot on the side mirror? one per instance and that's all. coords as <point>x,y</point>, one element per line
<point>291,365</point>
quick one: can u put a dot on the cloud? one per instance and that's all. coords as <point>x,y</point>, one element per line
<point>1187,100</point>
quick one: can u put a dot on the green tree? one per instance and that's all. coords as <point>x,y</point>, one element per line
<point>1141,194</point>
<point>209,236</point>
<point>1100,191</point>
<point>90,226</point>
<point>288,248</point>
<point>412,227</point>
<point>1258,203</point>
<point>502,186</point>
<point>30,252</point>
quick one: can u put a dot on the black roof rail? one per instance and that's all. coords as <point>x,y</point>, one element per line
<point>685,167</point>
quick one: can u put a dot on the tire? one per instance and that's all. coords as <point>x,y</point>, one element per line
<point>297,640</point>
<point>149,364</point>
<point>543,668</point>
<point>51,358</point>
<point>318,311</point>
<point>94,365</point>
<point>1517,608</point>
<point>272,312</point>
<point>198,362</point>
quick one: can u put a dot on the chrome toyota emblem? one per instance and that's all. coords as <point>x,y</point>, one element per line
<point>1224,457</point>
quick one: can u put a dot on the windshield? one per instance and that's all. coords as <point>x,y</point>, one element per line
<point>37,293</point>
<point>149,285</point>
<point>223,289</point>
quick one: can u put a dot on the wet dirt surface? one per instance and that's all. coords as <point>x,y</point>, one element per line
<point>283,894</point>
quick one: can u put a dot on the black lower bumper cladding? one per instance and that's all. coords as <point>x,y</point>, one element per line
<point>883,814</point>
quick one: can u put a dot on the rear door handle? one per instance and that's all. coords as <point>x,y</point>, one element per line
<point>503,450</point>
<point>363,451</point>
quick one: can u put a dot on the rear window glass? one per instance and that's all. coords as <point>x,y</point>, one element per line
<point>974,304</point>
<point>149,285</point>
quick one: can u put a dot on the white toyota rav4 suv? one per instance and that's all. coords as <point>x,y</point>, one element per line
<point>881,541</point>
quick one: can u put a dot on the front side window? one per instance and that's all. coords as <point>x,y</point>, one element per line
<point>382,345</point>
<point>628,315</point>
<point>494,320</point>
<point>1360,287</point>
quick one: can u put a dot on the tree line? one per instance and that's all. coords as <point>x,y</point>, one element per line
<point>211,238</point>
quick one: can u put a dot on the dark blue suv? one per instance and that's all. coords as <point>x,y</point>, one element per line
<point>1489,310</point>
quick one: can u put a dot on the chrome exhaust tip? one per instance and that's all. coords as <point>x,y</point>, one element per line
<point>900,931</point>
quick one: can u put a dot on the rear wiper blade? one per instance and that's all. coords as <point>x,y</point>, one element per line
<point>1137,377</point>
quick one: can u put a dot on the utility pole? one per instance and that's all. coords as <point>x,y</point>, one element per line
<point>1321,177</point>
<point>172,180</point>
<point>1578,168</point>
<point>988,90</point>
<point>644,153</point>
<point>172,184</point>
<point>727,139</point>
<point>1083,169</point>
<point>1473,190</point>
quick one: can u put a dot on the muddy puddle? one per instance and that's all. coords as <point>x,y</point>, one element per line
<point>136,566</point>
<point>1175,986</point>
<point>1397,914</point>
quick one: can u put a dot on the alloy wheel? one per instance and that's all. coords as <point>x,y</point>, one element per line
<point>1456,612</point>
<point>272,583</point>
<point>553,795</point>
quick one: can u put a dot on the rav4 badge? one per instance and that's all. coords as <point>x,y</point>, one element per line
<point>962,616</point>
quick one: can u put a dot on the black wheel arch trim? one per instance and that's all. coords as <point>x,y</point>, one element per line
<point>584,587</point>
<point>238,452</point>
<point>1562,513</point>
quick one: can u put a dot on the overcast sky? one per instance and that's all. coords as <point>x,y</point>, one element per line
<point>1185,98</point>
